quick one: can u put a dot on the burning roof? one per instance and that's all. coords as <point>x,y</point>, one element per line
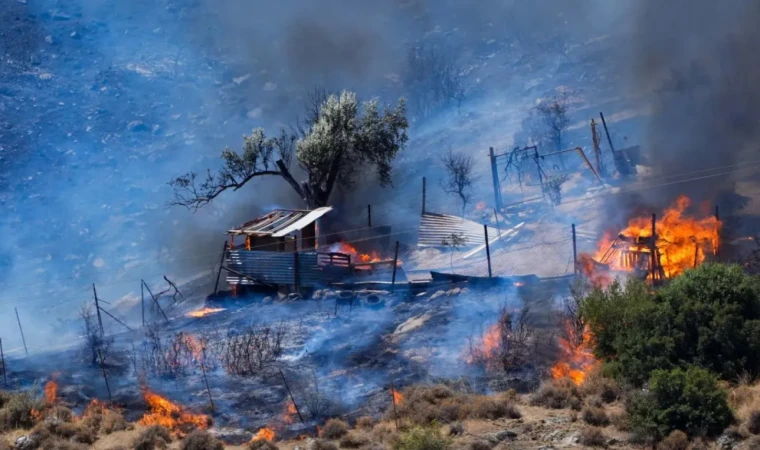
<point>280,222</point>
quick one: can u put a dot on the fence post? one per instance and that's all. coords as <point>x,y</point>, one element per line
<point>97,308</point>
<point>575,253</point>
<point>23,339</point>
<point>495,176</point>
<point>424,195</point>
<point>488,250</point>
<point>296,273</point>
<point>221,265</point>
<point>653,248</point>
<point>369,216</point>
<point>2,361</point>
<point>395,264</point>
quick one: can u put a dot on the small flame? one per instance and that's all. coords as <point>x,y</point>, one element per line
<point>290,413</point>
<point>51,391</point>
<point>266,434</point>
<point>170,415</point>
<point>488,347</point>
<point>577,358</point>
<point>345,247</point>
<point>398,397</point>
<point>203,312</point>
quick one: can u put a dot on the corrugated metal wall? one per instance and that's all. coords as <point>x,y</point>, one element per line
<point>278,268</point>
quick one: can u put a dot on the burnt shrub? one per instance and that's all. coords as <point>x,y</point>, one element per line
<point>423,405</point>
<point>592,437</point>
<point>422,438</point>
<point>114,421</point>
<point>479,445</point>
<point>154,437</point>
<point>489,407</point>
<point>201,440</point>
<point>676,440</point>
<point>708,316</point>
<point>558,394</point>
<point>261,444</point>
<point>21,410</point>
<point>456,429</point>
<point>365,423</point>
<point>687,400</point>
<point>320,444</point>
<point>595,416</point>
<point>334,429</point>
<point>353,440</point>
<point>753,422</point>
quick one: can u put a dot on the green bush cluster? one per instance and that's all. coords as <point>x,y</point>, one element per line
<point>708,317</point>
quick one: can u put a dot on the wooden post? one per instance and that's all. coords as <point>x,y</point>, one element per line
<point>575,253</point>
<point>424,195</point>
<point>488,250</point>
<point>393,401</point>
<point>97,309</point>
<point>495,176</point>
<point>105,377</point>
<point>2,361</point>
<point>155,300</point>
<point>653,248</point>
<point>395,264</point>
<point>142,302</point>
<point>696,254</point>
<point>221,264</point>
<point>369,216</point>
<point>114,318</point>
<point>291,396</point>
<point>26,351</point>
<point>205,379</point>
<point>496,216</point>
<point>607,132</point>
<point>296,273</point>
<point>597,150</point>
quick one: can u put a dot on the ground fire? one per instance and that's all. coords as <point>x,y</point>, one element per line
<point>486,349</point>
<point>204,312</point>
<point>266,434</point>
<point>290,413</point>
<point>398,397</point>
<point>576,355</point>
<point>680,243</point>
<point>51,391</point>
<point>170,415</point>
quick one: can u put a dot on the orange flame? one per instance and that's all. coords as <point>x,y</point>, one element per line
<point>577,357</point>
<point>51,391</point>
<point>398,397</point>
<point>266,434</point>
<point>488,347</point>
<point>682,243</point>
<point>170,415</point>
<point>345,247</point>
<point>203,312</point>
<point>290,413</point>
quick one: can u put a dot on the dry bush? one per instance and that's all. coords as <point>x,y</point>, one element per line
<point>516,341</point>
<point>753,422</point>
<point>85,435</point>
<point>261,444</point>
<point>353,440</point>
<point>246,353</point>
<point>365,423</point>
<point>114,421</point>
<point>18,410</point>
<point>320,444</point>
<point>595,416</point>
<point>5,445</point>
<point>752,443</point>
<point>423,405</point>
<point>677,440</point>
<point>558,394</point>
<point>154,437</point>
<point>201,440</point>
<point>620,421</point>
<point>334,429</point>
<point>479,445</point>
<point>604,388</point>
<point>118,447</point>
<point>592,437</point>
<point>57,428</point>
<point>456,429</point>
<point>420,438</point>
<point>490,407</point>
<point>374,446</point>
<point>386,434</point>
<point>61,413</point>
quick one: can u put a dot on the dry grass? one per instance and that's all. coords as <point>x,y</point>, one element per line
<point>752,443</point>
<point>592,437</point>
<point>595,416</point>
<point>492,407</point>
<point>354,439</point>
<point>201,440</point>
<point>155,437</point>
<point>261,444</point>
<point>424,405</point>
<point>114,421</point>
<point>744,399</point>
<point>365,423</point>
<point>334,429</point>
<point>479,445</point>
<point>605,389</point>
<point>321,444</point>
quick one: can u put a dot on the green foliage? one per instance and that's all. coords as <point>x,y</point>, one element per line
<point>709,316</point>
<point>687,400</point>
<point>419,438</point>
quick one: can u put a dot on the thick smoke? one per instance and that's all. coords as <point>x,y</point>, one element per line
<point>697,60</point>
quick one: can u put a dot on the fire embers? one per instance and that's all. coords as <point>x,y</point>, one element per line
<point>203,312</point>
<point>680,243</point>
<point>506,345</point>
<point>170,415</point>
<point>576,355</point>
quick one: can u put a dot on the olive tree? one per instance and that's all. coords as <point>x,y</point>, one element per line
<point>341,136</point>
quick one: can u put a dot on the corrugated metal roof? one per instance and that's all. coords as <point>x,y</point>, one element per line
<point>280,222</point>
<point>434,228</point>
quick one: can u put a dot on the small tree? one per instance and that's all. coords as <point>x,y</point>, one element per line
<point>96,344</point>
<point>554,115</point>
<point>432,79</point>
<point>454,241</point>
<point>459,176</point>
<point>339,138</point>
<point>552,188</point>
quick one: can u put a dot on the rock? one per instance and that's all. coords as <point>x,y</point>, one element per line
<point>496,438</point>
<point>295,297</point>
<point>137,126</point>
<point>437,294</point>
<point>24,442</point>
<point>317,294</point>
<point>727,442</point>
<point>456,291</point>
<point>267,299</point>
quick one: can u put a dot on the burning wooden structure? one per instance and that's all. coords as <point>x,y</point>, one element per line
<point>281,249</point>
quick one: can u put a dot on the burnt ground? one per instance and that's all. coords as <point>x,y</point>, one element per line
<point>341,364</point>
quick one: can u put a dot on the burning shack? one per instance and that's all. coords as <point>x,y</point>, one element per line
<point>282,249</point>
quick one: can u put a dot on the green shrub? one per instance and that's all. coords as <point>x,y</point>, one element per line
<point>688,400</point>
<point>709,316</point>
<point>201,440</point>
<point>17,411</point>
<point>419,438</point>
